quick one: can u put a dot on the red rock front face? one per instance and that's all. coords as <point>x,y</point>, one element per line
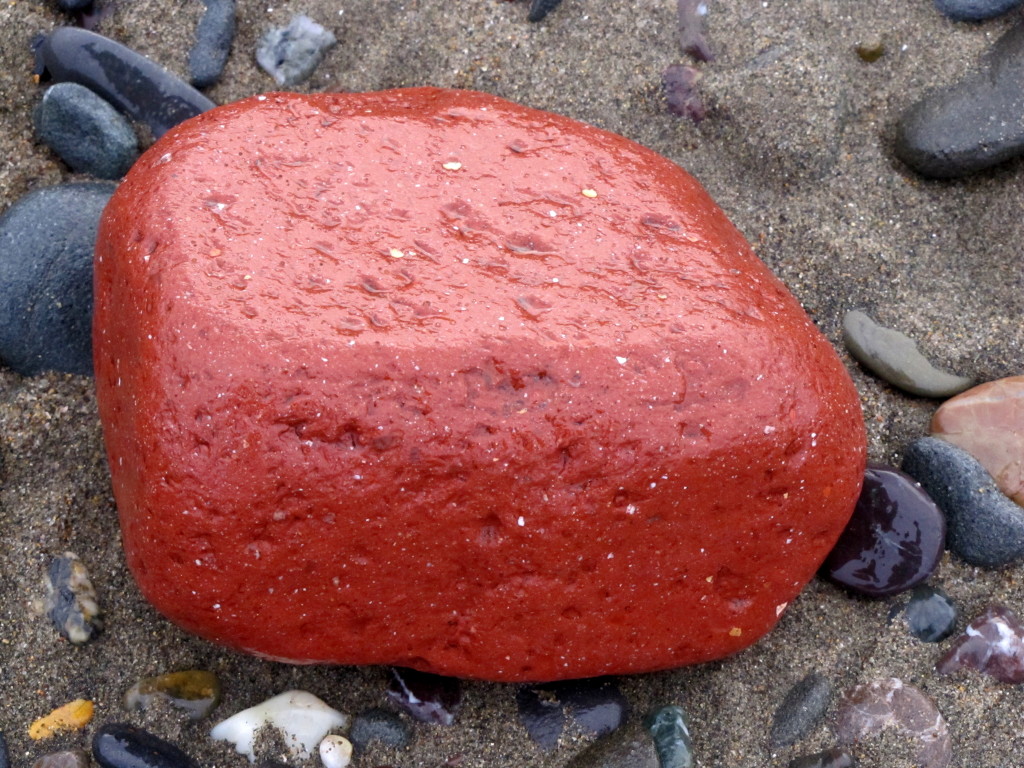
<point>427,378</point>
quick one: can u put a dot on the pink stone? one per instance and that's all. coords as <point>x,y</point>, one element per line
<point>993,644</point>
<point>988,422</point>
<point>866,710</point>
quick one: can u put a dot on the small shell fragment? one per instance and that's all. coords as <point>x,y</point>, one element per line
<point>453,166</point>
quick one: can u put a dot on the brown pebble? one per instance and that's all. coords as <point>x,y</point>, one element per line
<point>72,758</point>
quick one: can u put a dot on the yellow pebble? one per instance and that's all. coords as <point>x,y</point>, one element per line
<point>590,193</point>
<point>71,717</point>
<point>735,631</point>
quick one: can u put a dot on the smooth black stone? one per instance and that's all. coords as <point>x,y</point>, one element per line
<point>542,715</point>
<point>214,35</point>
<point>85,131</point>
<point>975,10</point>
<point>381,726</point>
<point>290,54</point>
<point>986,528</point>
<point>138,87</point>
<point>629,747</point>
<point>832,758</point>
<point>541,8</point>
<point>425,697</point>
<point>930,614</point>
<point>596,704</point>
<point>671,735</point>
<point>5,755</point>
<point>801,710</point>
<point>73,5</point>
<point>894,540</point>
<point>46,250</point>
<point>973,125</point>
<point>119,745</point>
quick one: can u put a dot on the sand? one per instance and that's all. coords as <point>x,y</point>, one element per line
<point>797,148</point>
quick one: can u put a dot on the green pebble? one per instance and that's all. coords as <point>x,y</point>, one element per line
<point>193,691</point>
<point>667,727</point>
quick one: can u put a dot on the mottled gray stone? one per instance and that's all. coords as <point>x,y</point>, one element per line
<point>801,710</point>
<point>290,54</point>
<point>629,747</point>
<point>214,35</point>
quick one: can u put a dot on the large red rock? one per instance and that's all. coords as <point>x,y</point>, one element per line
<point>427,378</point>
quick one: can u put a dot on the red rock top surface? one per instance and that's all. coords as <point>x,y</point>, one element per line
<point>424,377</point>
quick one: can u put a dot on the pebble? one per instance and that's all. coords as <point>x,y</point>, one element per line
<point>993,643</point>
<point>894,358</point>
<point>973,125</point>
<point>302,719</point>
<point>46,250</point>
<point>193,691</point>
<point>930,614</point>
<point>542,715</point>
<point>214,36</point>
<point>335,751</point>
<point>597,705</point>
<point>801,710</point>
<point>137,86</point>
<point>72,758</point>
<point>73,5</point>
<point>679,84</point>
<point>867,709</point>
<point>5,755</point>
<point>984,527</point>
<point>85,131</point>
<point>379,725</point>
<point>71,600</point>
<point>894,539</point>
<point>541,8</point>
<point>119,745</point>
<point>425,697</point>
<point>870,51</point>
<point>690,26</point>
<point>671,735</point>
<point>975,10</point>
<point>988,422</point>
<point>72,716</point>
<point>290,54</point>
<point>830,758</point>
<point>629,747</point>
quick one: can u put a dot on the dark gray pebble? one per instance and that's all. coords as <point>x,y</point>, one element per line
<point>671,735</point>
<point>379,725</point>
<point>984,527</point>
<point>290,54</point>
<point>72,758</point>
<point>71,600</point>
<point>800,710</point>
<point>119,745</point>
<point>628,747</point>
<point>140,88</point>
<point>930,614</point>
<point>73,5</point>
<point>542,715</point>
<point>972,125</point>
<point>46,250</point>
<point>85,131</point>
<point>975,10</point>
<point>5,757</point>
<point>831,758</point>
<point>214,35</point>
<point>541,8</point>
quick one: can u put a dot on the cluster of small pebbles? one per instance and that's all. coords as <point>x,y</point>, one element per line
<point>960,488</point>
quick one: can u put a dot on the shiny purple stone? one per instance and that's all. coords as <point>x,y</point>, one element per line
<point>425,697</point>
<point>993,644</point>
<point>894,540</point>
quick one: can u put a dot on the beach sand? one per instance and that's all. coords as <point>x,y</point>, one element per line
<point>796,147</point>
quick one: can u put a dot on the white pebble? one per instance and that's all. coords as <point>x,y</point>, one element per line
<point>335,751</point>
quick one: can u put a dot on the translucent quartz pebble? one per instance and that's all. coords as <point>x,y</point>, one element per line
<point>302,719</point>
<point>866,710</point>
<point>993,643</point>
<point>193,691</point>
<point>894,357</point>
<point>894,540</point>
<point>800,710</point>
<point>988,422</point>
<point>427,698</point>
<point>930,614</point>
<point>667,726</point>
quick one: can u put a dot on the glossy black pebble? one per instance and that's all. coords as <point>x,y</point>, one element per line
<point>5,758</point>
<point>119,745</point>
<point>930,614</point>
<point>379,725</point>
<point>542,715</point>
<point>137,86</point>
<point>800,710</point>
<point>893,541</point>
<point>975,10</point>
<point>832,758</point>
<point>541,8</point>
<point>46,251</point>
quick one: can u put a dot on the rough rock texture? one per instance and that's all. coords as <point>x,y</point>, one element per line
<point>507,397</point>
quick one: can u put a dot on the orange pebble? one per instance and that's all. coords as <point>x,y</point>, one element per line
<point>72,716</point>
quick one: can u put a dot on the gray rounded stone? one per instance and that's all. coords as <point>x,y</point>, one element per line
<point>975,10</point>
<point>984,526</point>
<point>290,54</point>
<point>214,36</point>
<point>628,747</point>
<point>85,131</point>
<point>801,710</point>
<point>46,250</point>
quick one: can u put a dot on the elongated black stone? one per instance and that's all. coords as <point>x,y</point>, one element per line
<point>119,745</point>
<point>140,88</point>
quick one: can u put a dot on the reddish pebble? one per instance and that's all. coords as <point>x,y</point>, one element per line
<point>993,643</point>
<point>988,422</point>
<point>431,379</point>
